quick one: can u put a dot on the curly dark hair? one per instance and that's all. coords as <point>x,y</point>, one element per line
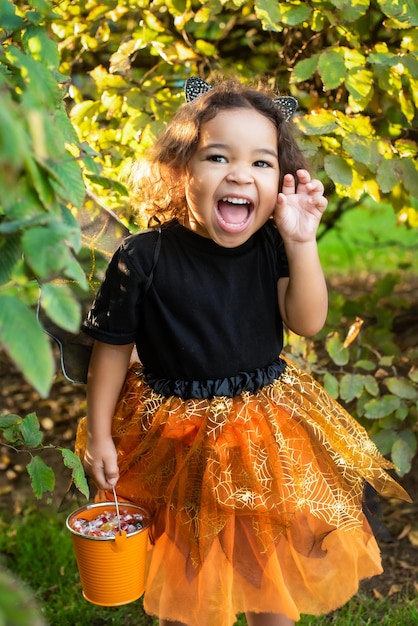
<point>158,189</point>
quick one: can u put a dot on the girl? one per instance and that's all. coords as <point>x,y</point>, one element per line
<point>253,474</point>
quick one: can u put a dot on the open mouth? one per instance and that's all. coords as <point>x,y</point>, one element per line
<point>234,213</point>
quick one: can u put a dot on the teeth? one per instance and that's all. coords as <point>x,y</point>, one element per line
<point>235,200</point>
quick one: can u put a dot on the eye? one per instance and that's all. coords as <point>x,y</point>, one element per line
<point>262,164</point>
<point>216,158</point>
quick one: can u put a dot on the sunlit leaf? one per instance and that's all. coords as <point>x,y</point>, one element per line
<point>335,348</point>
<point>9,20</point>
<point>41,46</point>
<point>359,83</point>
<point>318,123</point>
<point>269,14</point>
<point>351,11</point>
<point>362,149</point>
<point>295,13</point>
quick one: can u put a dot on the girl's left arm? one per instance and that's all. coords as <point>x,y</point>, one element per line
<point>303,296</point>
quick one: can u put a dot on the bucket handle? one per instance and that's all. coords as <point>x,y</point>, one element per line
<point>119,543</point>
<point>117,510</point>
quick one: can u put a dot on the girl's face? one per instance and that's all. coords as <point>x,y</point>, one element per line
<point>232,180</point>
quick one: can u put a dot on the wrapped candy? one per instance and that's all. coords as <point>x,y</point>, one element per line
<point>106,524</point>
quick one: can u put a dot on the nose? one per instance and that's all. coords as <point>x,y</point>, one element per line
<point>240,173</point>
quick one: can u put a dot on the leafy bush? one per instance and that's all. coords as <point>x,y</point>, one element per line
<point>86,86</point>
<point>360,363</point>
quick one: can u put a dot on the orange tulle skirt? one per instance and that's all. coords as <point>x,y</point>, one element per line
<point>256,500</point>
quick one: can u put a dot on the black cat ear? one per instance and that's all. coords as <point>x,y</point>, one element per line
<point>195,87</point>
<point>287,106</point>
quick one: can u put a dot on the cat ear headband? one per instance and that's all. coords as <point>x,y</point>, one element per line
<point>195,87</point>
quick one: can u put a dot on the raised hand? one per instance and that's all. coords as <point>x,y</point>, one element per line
<point>299,208</point>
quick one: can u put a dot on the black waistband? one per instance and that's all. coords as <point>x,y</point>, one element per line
<point>229,387</point>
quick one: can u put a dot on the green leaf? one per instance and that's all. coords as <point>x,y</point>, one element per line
<point>47,253</point>
<point>338,170</point>
<point>351,11</point>
<point>40,85</point>
<point>370,384</point>
<point>294,14</point>
<point>402,455</point>
<point>26,343</point>
<point>410,175</point>
<point>72,461</point>
<point>40,182</point>
<point>359,83</point>
<point>362,149</point>
<point>336,350</point>
<point>388,175</point>
<point>413,375</point>
<point>10,253</point>
<point>269,14</point>
<point>404,11</point>
<point>381,407</point>
<point>365,364</point>
<point>41,47</point>
<point>9,20</point>
<point>331,384</point>
<point>384,440</point>
<point>331,67</point>
<point>305,69</point>
<point>60,306</point>
<point>6,421</point>
<point>42,477</point>
<point>351,386</point>
<point>13,142</point>
<point>402,388</point>
<point>30,431</point>
<point>68,180</point>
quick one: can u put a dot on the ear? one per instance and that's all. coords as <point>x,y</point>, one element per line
<point>195,87</point>
<point>287,106</point>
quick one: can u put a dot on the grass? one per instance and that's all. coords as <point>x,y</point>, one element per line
<point>38,549</point>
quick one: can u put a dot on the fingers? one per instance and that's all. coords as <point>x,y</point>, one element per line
<point>104,471</point>
<point>312,189</point>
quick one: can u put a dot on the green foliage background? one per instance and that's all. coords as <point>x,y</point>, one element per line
<point>86,86</point>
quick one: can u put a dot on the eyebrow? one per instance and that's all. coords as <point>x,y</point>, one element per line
<point>223,146</point>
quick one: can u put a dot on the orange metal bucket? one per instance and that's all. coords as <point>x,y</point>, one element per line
<point>112,569</point>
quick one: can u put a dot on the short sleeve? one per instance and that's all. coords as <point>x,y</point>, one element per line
<point>115,314</point>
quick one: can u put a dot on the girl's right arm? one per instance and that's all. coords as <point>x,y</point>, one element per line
<point>107,371</point>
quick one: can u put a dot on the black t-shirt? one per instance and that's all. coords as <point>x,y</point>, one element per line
<point>210,313</point>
